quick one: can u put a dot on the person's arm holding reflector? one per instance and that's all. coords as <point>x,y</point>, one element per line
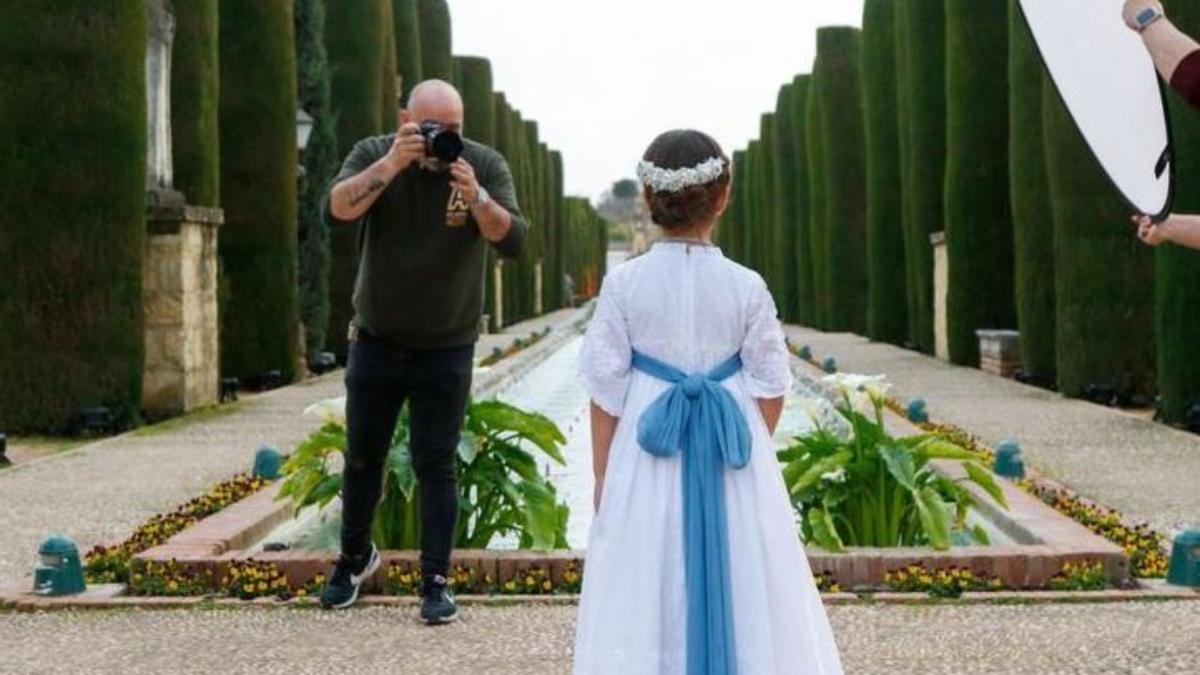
<point>1176,55</point>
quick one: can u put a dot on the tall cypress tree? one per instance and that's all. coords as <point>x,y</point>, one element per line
<point>475,75</point>
<point>389,112</point>
<point>353,38</point>
<point>406,30</point>
<point>754,201</point>
<point>1104,278</point>
<point>921,68</point>
<point>320,165</point>
<point>733,225</point>
<point>816,138</point>
<point>844,154</point>
<point>72,209</point>
<point>258,188</point>
<point>195,85</point>
<point>887,307</point>
<point>979,236</point>
<point>1178,282</point>
<point>1033,235</point>
<point>768,207</point>
<point>787,227</point>
<point>803,272</point>
<point>436,44</point>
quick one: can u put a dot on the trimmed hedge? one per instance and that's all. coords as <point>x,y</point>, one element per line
<point>478,103</point>
<point>844,173</point>
<point>803,271</point>
<point>195,85</point>
<point>887,305</point>
<point>72,210</point>
<point>259,318</point>
<point>733,224</point>
<point>815,138</point>
<point>555,269</point>
<point>766,227</point>
<point>320,165</point>
<point>979,236</point>
<point>754,202</point>
<point>1104,278</point>
<point>787,226</point>
<point>406,31</point>
<point>1033,235</point>
<point>921,67</point>
<point>434,21</point>
<point>389,113</point>
<point>1178,276</point>
<point>353,38</point>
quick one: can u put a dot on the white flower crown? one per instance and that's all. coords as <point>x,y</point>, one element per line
<point>659,179</point>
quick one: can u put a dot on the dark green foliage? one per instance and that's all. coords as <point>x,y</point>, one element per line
<point>1104,277</point>
<point>476,86</point>
<point>921,67</point>
<point>436,60</point>
<point>407,33</point>
<point>844,154</point>
<point>389,114</point>
<point>556,267</point>
<point>195,85</point>
<point>72,209</point>
<point>1178,282</point>
<point>259,319</point>
<point>1033,231</point>
<point>731,232</point>
<point>815,135</point>
<point>887,306</point>
<point>765,227</point>
<point>354,40</point>
<point>979,236</point>
<point>800,209</point>
<point>787,226</point>
<point>753,208</point>
<point>320,165</point>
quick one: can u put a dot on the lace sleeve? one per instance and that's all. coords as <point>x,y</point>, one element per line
<point>764,352</point>
<point>604,362</point>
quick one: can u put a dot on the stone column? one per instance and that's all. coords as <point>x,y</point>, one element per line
<point>180,297</point>
<point>160,29</point>
<point>498,289</point>
<point>941,283</point>
<point>537,289</point>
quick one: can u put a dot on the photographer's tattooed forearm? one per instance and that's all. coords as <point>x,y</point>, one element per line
<point>375,186</point>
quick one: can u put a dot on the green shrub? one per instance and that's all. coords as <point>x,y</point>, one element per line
<point>1178,282</point>
<point>1104,277</point>
<point>353,38</point>
<point>72,209</point>
<point>921,68</point>
<point>195,84</point>
<point>979,235</point>
<point>1033,231</point>
<point>260,317</point>
<point>787,226</point>
<point>815,139</point>
<point>887,305</point>
<point>434,20</point>
<point>803,271</point>
<point>407,33</point>
<point>768,208</point>
<point>389,112</point>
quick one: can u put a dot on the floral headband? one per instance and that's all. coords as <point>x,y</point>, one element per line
<point>659,179</point>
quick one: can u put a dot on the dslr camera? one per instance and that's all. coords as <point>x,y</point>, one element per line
<point>441,143</point>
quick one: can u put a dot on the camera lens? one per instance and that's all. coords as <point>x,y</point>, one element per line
<point>446,146</point>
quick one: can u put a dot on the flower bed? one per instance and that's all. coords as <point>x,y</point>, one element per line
<point>1146,549</point>
<point>518,345</point>
<point>111,564</point>
<point>940,583</point>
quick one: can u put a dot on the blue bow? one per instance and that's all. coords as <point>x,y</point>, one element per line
<point>700,418</point>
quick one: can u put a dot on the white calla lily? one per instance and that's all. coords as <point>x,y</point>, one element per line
<point>330,411</point>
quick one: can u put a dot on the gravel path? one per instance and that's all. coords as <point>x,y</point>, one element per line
<point>1149,471</point>
<point>1009,640</point>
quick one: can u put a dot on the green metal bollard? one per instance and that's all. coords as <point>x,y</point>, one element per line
<point>59,570</point>
<point>1185,560</point>
<point>267,463</point>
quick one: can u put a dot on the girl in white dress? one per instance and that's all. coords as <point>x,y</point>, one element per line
<point>694,564</point>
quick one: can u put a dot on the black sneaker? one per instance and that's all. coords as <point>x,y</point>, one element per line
<point>437,605</point>
<point>342,588</point>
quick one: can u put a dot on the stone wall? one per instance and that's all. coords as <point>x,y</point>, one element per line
<point>180,296</point>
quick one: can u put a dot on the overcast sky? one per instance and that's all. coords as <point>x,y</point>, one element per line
<point>603,77</point>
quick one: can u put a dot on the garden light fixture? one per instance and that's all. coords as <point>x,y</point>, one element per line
<point>229,389</point>
<point>323,362</point>
<point>917,414</point>
<point>59,570</point>
<point>4,460</point>
<point>267,463</point>
<point>1009,462</point>
<point>97,420</point>
<point>1185,560</point>
<point>830,365</point>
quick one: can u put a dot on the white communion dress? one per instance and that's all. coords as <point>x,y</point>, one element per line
<point>688,306</point>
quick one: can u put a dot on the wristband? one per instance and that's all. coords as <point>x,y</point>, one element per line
<point>482,199</point>
<point>1146,18</point>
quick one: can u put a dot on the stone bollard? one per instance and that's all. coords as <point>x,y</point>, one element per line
<point>999,351</point>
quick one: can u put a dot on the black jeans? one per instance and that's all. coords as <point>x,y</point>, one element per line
<point>436,384</point>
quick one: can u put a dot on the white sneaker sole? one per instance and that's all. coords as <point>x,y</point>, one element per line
<point>444,620</point>
<point>370,569</point>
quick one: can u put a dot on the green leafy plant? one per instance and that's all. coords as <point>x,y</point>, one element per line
<point>939,583</point>
<point>501,491</point>
<point>857,485</point>
<point>1082,576</point>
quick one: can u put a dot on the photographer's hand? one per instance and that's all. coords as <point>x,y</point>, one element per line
<point>494,220</point>
<point>352,198</point>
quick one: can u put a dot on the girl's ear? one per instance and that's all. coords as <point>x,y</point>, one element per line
<point>723,202</point>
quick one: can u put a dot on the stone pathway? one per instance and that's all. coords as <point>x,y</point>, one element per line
<point>99,492</point>
<point>537,640</point>
<point>1149,471</point>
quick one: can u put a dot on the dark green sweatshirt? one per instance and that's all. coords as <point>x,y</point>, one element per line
<point>421,255</point>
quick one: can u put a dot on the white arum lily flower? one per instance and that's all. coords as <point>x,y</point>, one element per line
<point>814,410</point>
<point>838,476</point>
<point>330,411</point>
<point>849,385</point>
<point>878,389</point>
